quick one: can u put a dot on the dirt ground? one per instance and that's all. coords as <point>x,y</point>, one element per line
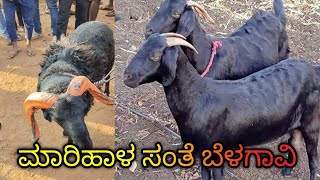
<point>303,29</point>
<point>18,79</point>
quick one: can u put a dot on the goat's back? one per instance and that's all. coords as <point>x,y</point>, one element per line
<point>265,23</point>
<point>88,51</point>
<point>261,42</point>
<point>97,35</point>
<point>94,33</point>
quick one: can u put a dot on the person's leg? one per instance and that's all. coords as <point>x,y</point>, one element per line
<point>111,4</point>
<point>82,7</point>
<point>46,9</point>
<point>88,14</point>
<point>63,19</point>
<point>110,9</point>
<point>27,15</point>
<point>36,17</point>
<point>9,11</point>
<point>3,28</point>
<point>93,10</point>
<point>53,7</point>
<point>107,6</point>
<point>19,15</point>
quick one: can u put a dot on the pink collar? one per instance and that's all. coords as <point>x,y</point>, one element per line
<point>216,45</point>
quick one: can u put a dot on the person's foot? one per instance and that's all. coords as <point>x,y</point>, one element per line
<point>30,52</point>
<point>13,53</point>
<point>8,40</point>
<point>106,7</point>
<point>72,12</point>
<point>20,29</point>
<point>46,10</point>
<point>19,37</point>
<point>36,35</point>
<point>54,39</point>
<point>63,38</point>
<point>110,13</point>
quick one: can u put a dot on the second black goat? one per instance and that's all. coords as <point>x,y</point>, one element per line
<point>261,42</point>
<point>280,99</point>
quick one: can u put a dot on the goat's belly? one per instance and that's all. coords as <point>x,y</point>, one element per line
<point>257,134</point>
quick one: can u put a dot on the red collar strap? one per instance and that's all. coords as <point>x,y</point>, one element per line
<point>216,45</point>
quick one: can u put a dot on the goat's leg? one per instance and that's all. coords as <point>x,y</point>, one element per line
<point>209,173</point>
<point>295,140</point>
<point>217,173</point>
<point>310,131</point>
<point>205,173</point>
<point>287,171</point>
<point>311,140</point>
<point>107,88</point>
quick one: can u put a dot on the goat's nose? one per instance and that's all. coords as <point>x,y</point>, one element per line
<point>127,76</point>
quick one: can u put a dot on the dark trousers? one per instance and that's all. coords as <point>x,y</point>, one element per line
<point>26,10</point>
<point>19,14</point>
<point>64,13</point>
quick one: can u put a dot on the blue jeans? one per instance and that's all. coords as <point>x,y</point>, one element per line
<point>26,10</point>
<point>82,7</point>
<point>36,16</point>
<point>54,15</point>
<point>3,28</point>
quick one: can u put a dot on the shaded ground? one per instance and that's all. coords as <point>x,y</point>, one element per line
<point>303,27</point>
<point>18,79</point>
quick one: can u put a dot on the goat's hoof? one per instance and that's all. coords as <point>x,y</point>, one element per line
<point>286,172</point>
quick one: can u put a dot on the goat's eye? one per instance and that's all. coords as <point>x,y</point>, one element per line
<point>155,56</point>
<point>176,15</point>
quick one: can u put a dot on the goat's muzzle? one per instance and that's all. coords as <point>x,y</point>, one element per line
<point>131,80</point>
<point>44,100</point>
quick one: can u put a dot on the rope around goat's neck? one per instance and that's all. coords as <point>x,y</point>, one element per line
<point>216,45</point>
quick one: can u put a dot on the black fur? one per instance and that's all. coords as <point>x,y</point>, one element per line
<point>253,110</point>
<point>88,51</point>
<point>261,42</point>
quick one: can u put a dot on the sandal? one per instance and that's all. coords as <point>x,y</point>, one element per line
<point>106,7</point>
<point>13,54</point>
<point>31,53</point>
<point>110,13</point>
<point>19,37</point>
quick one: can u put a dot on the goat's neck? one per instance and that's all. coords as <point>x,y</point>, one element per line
<point>182,95</point>
<point>181,92</point>
<point>198,38</point>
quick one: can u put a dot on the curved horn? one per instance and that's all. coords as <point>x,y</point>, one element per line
<point>173,41</point>
<point>170,34</point>
<point>200,10</point>
<point>35,101</point>
<point>81,84</point>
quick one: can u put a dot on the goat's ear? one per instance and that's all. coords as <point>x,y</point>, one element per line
<point>187,22</point>
<point>83,52</point>
<point>169,65</point>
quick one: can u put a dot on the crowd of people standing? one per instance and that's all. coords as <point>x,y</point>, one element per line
<point>28,17</point>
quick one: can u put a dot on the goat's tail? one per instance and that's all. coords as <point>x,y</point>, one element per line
<point>279,11</point>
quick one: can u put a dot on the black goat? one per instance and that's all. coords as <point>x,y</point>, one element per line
<point>68,70</point>
<point>261,42</point>
<point>261,107</point>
